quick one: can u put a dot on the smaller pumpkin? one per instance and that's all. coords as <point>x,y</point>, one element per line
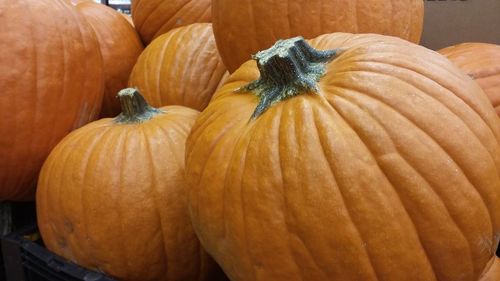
<point>481,61</point>
<point>111,196</point>
<point>120,47</point>
<point>181,67</point>
<point>153,18</point>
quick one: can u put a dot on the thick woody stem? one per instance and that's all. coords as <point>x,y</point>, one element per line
<point>289,68</point>
<point>135,109</point>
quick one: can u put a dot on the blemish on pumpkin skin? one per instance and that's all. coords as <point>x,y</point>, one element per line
<point>68,226</point>
<point>61,242</point>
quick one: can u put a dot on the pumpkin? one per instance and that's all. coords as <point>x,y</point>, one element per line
<point>357,157</point>
<point>493,273</point>
<point>120,47</point>
<point>481,61</point>
<point>128,18</point>
<point>223,80</point>
<point>44,95</point>
<point>111,196</point>
<point>243,27</point>
<point>153,18</point>
<point>76,2</point>
<point>181,67</point>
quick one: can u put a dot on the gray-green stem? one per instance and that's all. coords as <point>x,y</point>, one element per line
<point>289,68</point>
<point>135,109</point>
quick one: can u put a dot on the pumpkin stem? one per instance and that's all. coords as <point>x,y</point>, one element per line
<point>289,68</point>
<point>135,109</point>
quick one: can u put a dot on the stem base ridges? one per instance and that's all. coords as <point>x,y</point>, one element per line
<point>135,109</point>
<point>289,68</point>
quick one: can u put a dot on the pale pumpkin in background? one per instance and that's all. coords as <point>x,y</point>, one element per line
<point>120,47</point>
<point>376,161</point>
<point>112,197</point>
<point>52,82</point>
<point>481,61</point>
<point>181,67</point>
<point>243,27</point>
<point>153,18</point>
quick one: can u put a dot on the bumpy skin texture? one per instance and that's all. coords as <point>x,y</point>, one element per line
<point>52,82</point>
<point>390,172</point>
<point>182,67</point>
<point>482,62</point>
<point>120,47</point>
<point>243,27</point>
<point>112,198</point>
<point>153,18</point>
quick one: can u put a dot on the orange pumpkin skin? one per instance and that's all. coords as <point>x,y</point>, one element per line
<point>111,197</point>
<point>44,94</point>
<point>120,47</point>
<point>493,273</point>
<point>389,172</point>
<point>482,62</point>
<point>243,27</point>
<point>76,2</point>
<point>181,67</point>
<point>223,80</point>
<point>128,18</point>
<point>153,18</point>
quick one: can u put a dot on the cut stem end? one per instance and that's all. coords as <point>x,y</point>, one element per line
<point>289,68</point>
<point>135,109</point>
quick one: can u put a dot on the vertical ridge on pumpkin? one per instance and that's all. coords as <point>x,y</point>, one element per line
<point>368,191</point>
<point>366,268</point>
<point>88,253</point>
<point>293,244</point>
<point>444,150</point>
<point>193,78</point>
<point>415,181</point>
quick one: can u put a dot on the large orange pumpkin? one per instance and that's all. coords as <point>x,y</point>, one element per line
<point>180,67</point>
<point>243,27</point>
<point>120,47</point>
<point>376,161</point>
<point>482,62</point>
<point>111,196</point>
<point>153,18</point>
<point>52,82</point>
